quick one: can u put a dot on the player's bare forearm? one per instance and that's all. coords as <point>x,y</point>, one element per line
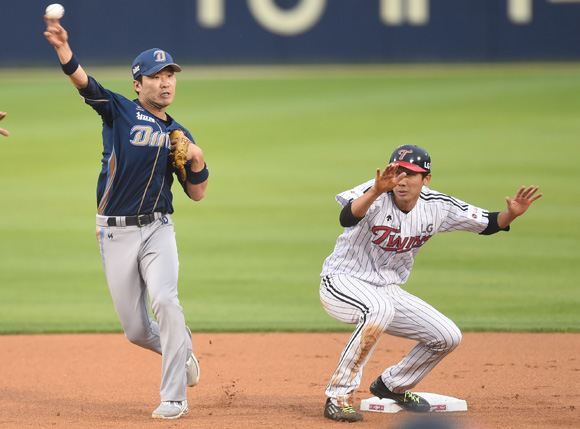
<point>361,205</point>
<point>195,154</point>
<point>58,37</point>
<point>518,205</point>
<point>197,192</point>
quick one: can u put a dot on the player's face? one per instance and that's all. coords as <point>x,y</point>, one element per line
<point>157,91</point>
<point>407,192</point>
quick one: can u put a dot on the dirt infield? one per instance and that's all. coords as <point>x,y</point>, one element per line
<point>278,381</point>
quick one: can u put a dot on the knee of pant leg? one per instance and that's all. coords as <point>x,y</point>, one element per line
<point>164,303</point>
<point>135,333</point>
<point>448,340</point>
<point>381,315</point>
<point>455,339</point>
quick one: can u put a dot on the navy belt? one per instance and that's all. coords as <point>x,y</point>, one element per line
<point>138,220</point>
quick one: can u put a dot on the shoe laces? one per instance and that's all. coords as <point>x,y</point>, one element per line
<point>411,397</point>
<point>348,409</point>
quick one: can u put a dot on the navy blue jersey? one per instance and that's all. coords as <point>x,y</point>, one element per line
<point>136,174</point>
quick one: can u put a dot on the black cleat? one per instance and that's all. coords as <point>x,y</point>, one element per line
<point>344,414</point>
<point>408,400</point>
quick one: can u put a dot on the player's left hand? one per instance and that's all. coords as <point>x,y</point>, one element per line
<point>179,152</point>
<point>518,205</point>
<point>193,153</point>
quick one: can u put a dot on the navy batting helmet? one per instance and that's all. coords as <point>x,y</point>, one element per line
<point>412,157</point>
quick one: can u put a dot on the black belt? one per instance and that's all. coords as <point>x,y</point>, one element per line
<point>138,220</point>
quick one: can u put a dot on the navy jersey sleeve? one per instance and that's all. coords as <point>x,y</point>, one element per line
<point>99,99</point>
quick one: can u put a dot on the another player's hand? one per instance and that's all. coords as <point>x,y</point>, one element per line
<point>55,33</point>
<point>388,179</point>
<point>518,205</point>
<point>2,130</point>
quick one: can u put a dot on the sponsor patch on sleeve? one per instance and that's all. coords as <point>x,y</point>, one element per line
<point>475,213</point>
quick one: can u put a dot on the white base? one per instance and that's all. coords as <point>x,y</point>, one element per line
<point>439,404</point>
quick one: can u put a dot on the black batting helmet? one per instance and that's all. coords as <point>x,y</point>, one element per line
<point>412,157</point>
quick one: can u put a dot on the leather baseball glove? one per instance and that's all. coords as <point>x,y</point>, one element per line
<point>178,153</point>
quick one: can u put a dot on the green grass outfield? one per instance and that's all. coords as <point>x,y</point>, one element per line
<point>280,142</point>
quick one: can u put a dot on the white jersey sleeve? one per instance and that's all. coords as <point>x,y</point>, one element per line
<point>454,214</point>
<point>352,194</point>
<point>381,248</point>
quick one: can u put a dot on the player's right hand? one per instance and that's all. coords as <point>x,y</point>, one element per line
<point>388,179</point>
<point>55,33</point>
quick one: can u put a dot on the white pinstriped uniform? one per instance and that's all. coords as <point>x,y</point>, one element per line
<point>360,285</point>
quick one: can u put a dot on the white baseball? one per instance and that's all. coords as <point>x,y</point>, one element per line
<point>54,11</point>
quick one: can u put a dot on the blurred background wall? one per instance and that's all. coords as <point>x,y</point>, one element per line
<point>298,31</point>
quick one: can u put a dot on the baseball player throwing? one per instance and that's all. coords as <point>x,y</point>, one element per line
<point>134,227</point>
<point>386,222</point>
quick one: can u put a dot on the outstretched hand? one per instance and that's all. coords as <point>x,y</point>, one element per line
<point>518,205</point>
<point>388,179</point>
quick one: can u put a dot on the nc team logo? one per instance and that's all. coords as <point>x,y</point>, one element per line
<point>146,135</point>
<point>159,56</point>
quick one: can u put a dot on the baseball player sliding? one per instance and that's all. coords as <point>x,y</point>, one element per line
<point>386,222</point>
<point>134,227</point>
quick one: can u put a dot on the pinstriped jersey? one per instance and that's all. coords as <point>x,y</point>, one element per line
<point>136,174</point>
<point>381,248</point>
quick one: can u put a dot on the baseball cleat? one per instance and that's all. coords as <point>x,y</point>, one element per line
<point>344,414</point>
<point>170,410</point>
<point>408,400</point>
<point>192,371</point>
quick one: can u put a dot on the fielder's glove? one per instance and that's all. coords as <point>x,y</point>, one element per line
<point>178,153</point>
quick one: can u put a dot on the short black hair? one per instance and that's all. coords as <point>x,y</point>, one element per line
<point>140,80</point>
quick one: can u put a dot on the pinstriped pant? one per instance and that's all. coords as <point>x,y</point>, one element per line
<point>387,309</point>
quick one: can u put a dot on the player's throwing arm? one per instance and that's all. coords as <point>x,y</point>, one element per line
<point>58,37</point>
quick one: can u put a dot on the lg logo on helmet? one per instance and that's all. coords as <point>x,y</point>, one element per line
<point>403,153</point>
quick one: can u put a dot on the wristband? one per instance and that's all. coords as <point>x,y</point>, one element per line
<point>70,67</point>
<point>199,177</point>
